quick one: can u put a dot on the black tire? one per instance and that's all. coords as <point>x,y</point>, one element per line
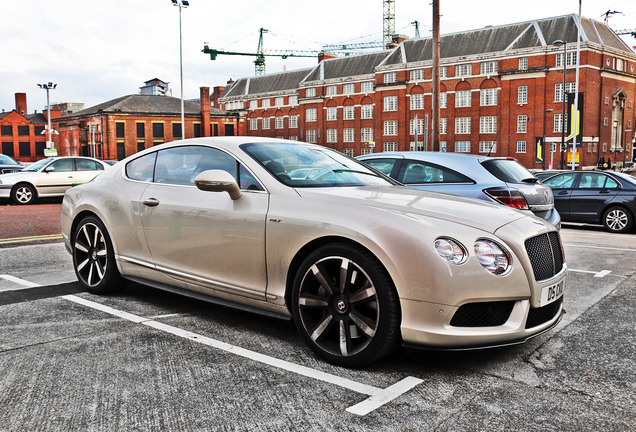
<point>23,193</point>
<point>94,258</point>
<point>345,306</point>
<point>618,220</point>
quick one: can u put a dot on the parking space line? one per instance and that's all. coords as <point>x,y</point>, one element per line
<point>19,281</point>
<point>31,238</point>
<point>597,274</point>
<point>599,247</point>
<point>386,395</point>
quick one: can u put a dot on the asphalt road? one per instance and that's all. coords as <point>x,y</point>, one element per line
<point>147,360</point>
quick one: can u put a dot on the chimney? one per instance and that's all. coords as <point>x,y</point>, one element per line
<point>325,55</point>
<point>20,103</point>
<point>204,97</point>
<point>230,81</point>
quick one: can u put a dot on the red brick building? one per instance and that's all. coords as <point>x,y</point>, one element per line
<point>123,126</point>
<point>499,86</point>
<point>21,134</point>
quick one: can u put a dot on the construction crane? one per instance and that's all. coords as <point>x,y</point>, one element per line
<point>416,24</point>
<point>388,19</point>
<point>626,31</point>
<point>260,53</point>
<point>353,46</point>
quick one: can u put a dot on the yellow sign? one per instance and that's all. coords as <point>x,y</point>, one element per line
<point>576,158</point>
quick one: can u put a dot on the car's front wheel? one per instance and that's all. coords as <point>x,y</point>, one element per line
<point>94,258</point>
<point>618,220</point>
<point>345,305</point>
<point>23,193</point>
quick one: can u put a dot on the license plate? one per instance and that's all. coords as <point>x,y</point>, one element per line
<point>552,293</point>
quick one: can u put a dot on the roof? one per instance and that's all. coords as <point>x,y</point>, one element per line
<point>144,104</point>
<point>529,34</point>
<point>340,67</point>
<point>278,82</point>
<point>37,118</point>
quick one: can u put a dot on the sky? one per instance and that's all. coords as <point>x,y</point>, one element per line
<point>98,50</point>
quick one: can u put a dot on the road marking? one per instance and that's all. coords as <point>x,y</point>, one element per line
<point>31,238</point>
<point>598,247</point>
<point>599,274</point>
<point>379,397</point>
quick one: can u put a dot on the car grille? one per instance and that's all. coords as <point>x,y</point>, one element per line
<point>484,314</point>
<point>8,170</point>
<point>538,316</point>
<point>545,254</point>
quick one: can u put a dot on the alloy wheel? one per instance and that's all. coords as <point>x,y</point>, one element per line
<point>616,220</point>
<point>91,254</point>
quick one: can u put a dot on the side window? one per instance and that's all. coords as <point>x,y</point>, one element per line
<point>419,172</point>
<point>62,165</point>
<point>247,180</point>
<point>142,168</point>
<point>385,166</point>
<point>592,181</point>
<point>562,181</point>
<point>87,165</point>
<point>610,183</point>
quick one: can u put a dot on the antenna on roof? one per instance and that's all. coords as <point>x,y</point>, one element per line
<point>608,13</point>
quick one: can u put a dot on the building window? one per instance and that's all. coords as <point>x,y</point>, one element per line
<point>279,122</point>
<point>605,121</point>
<point>390,146</point>
<point>6,131</point>
<point>462,125</point>
<point>332,90</point>
<point>332,135</point>
<point>571,59</point>
<point>266,123</point>
<point>332,113</point>
<point>390,77</point>
<point>443,71</point>
<point>197,131</point>
<point>310,115</point>
<point>293,137</point>
<point>489,147</point>
<point>349,135</point>
<point>366,135</point>
<point>522,123</point>
<point>417,126</point>
<point>253,124</point>
<point>176,130</point>
<point>279,101</point>
<point>488,97</point>
<point>417,101</point>
<point>312,136</point>
<point>39,130</point>
<point>488,125</point>
<point>310,92</point>
<point>23,130</point>
<point>488,67</point>
<point>606,100</point>
<point>120,130</point>
<point>522,94</point>
<point>521,146</point>
<point>462,146</point>
<point>390,103</point>
<point>348,151</point>
<point>366,151</point>
<point>265,103</point>
<point>390,128</point>
<point>24,148</point>
<point>443,100</point>
<point>293,100</point>
<point>558,122</point>
<point>462,98</point>
<point>558,90</point>
<point>417,75</point>
<point>443,124</point>
<point>253,104</point>
<point>366,86</point>
<point>348,112</point>
<point>157,133</point>
<point>348,88</point>
<point>523,63</point>
<point>463,69</point>
<point>293,121</point>
<point>442,146</point>
<point>366,111</point>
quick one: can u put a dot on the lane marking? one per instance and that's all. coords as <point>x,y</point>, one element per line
<point>379,397</point>
<point>598,247</point>
<point>31,238</point>
<point>599,274</point>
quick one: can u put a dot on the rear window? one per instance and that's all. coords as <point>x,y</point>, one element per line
<point>507,170</point>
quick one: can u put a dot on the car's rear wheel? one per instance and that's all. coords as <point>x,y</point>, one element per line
<point>23,193</point>
<point>345,305</point>
<point>94,258</point>
<point>618,220</point>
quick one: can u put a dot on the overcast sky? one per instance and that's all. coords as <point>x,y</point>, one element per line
<point>96,51</point>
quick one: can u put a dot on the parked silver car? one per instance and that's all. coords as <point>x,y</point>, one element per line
<point>49,178</point>
<point>360,262</point>
<point>494,179</point>
<point>8,165</point>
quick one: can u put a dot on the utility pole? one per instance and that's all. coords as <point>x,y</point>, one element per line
<point>436,68</point>
<point>47,87</point>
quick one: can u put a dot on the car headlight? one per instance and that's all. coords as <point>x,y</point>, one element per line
<point>451,250</point>
<point>492,257</point>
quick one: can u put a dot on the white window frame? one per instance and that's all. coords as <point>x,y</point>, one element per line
<point>366,134</point>
<point>488,97</point>
<point>366,86</point>
<point>489,67</point>
<point>462,146</point>
<point>558,125</point>
<point>443,71</point>
<point>522,123</point>
<point>310,92</point>
<point>279,122</point>
<point>293,100</point>
<point>558,90</point>
<point>366,111</point>
<point>349,151</point>
<point>443,126</point>
<point>348,135</point>
<point>390,128</point>
<point>293,121</point>
<point>417,74</point>
<point>417,101</point>
<point>312,136</point>
<point>464,69</point>
<point>266,123</point>
<point>522,146</point>
<point>253,103</point>
<point>420,126</point>
<point>311,115</point>
<point>332,113</point>
<point>463,98</point>
<point>462,125</point>
<point>265,103</point>
<point>522,94</point>
<point>390,103</point>
<point>279,101</point>
<point>390,77</point>
<point>332,135</point>
<point>443,99</point>
<point>390,146</point>
<point>254,124</point>
<point>488,124</point>
<point>523,63</point>
<point>349,112</point>
<point>348,88</point>
<point>331,90</point>
<point>489,147</point>
<point>571,59</point>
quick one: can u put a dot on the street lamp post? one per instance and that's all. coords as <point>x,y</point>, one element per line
<point>181,4</point>
<point>545,116</point>
<point>47,87</point>
<point>615,141</point>
<point>563,43</point>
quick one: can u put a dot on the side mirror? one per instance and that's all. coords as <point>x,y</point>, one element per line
<point>49,169</point>
<point>218,181</point>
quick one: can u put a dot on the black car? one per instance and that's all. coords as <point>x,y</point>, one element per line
<point>597,197</point>
<point>8,165</point>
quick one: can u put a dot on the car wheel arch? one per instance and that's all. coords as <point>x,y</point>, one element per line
<point>627,211</point>
<point>26,183</point>
<point>79,217</point>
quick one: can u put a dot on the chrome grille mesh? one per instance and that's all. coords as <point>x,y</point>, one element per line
<point>545,255</point>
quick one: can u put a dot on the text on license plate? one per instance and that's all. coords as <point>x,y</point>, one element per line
<point>552,293</point>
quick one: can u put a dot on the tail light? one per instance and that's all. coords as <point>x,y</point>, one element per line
<point>510,197</point>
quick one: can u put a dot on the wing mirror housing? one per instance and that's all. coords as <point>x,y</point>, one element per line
<point>218,181</point>
<point>49,169</point>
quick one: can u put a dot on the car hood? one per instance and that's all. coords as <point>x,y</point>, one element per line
<point>14,176</point>
<point>470,212</point>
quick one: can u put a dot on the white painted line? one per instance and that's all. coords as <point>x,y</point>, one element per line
<point>602,273</point>
<point>385,396</point>
<point>19,281</point>
<point>599,247</point>
<point>598,274</point>
<point>109,310</point>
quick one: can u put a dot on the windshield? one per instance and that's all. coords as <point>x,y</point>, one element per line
<point>6,160</point>
<point>303,166</point>
<point>508,170</point>
<point>38,165</point>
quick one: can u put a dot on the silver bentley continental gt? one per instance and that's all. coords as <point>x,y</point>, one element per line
<point>361,263</point>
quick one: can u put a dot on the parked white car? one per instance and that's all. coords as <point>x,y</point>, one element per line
<point>49,178</point>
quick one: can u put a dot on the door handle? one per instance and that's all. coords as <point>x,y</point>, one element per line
<point>563,193</point>
<point>151,202</point>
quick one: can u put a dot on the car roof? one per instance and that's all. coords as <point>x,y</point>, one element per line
<point>434,156</point>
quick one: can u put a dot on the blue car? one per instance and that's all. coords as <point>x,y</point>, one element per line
<point>495,179</point>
